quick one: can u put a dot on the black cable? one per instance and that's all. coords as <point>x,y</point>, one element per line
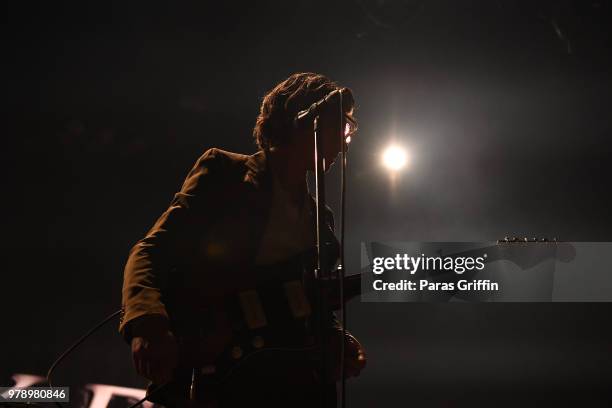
<point>140,402</point>
<point>78,343</point>
<point>74,346</point>
<point>161,387</point>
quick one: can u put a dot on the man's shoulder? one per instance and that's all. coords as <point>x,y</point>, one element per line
<point>216,162</point>
<point>216,171</point>
<point>222,157</point>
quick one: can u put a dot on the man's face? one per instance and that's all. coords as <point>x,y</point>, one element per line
<point>329,130</point>
<point>333,138</point>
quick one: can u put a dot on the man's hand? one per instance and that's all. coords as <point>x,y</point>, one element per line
<point>355,359</point>
<point>154,350</point>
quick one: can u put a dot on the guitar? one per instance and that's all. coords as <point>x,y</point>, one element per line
<point>267,321</point>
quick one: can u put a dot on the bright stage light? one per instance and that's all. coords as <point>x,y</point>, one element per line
<point>394,158</point>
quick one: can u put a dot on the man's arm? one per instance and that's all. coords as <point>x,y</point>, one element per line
<point>144,323</point>
<point>150,261</point>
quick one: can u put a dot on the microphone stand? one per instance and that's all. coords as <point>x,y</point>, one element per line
<point>341,268</point>
<point>323,313</point>
<point>322,274</point>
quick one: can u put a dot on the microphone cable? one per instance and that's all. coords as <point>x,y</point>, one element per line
<point>78,343</point>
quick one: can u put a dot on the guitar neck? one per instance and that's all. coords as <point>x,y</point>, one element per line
<point>352,289</point>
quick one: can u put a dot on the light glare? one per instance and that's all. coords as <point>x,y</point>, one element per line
<point>394,158</point>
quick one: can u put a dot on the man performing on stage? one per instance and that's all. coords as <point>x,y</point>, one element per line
<point>216,296</point>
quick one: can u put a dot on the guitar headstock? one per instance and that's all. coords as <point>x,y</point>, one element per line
<point>512,240</point>
<point>563,251</point>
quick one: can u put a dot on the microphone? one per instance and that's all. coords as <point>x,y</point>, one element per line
<point>307,115</point>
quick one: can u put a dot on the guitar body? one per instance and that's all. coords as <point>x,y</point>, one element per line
<point>253,341</point>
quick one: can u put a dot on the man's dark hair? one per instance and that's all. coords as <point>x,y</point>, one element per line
<point>281,104</point>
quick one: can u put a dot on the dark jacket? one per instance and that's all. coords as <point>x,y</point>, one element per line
<point>210,232</point>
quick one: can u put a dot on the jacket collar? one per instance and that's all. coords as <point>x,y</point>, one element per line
<point>258,171</point>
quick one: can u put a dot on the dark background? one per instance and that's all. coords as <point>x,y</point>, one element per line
<point>503,105</point>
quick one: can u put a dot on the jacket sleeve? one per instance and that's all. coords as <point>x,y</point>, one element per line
<point>151,260</point>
